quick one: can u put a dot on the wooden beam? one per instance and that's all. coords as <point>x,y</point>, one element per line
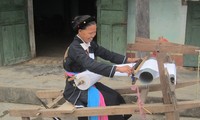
<point>143,94</point>
<point>49,94</point>
<point>188,105</point>
<point>166,91</point>
<point>122,90</point>
<point>151,41</point>
<point>155,87</point>
<point>31,27</point>
<point>59,99</point>
<point>109,110</point>
<point>173,99</point>
<point>146,45</point>
<point>142,22</point>
<point>163,77</point>
<point>142,18</point>
<point>24,112</point>
<point>65,108</point>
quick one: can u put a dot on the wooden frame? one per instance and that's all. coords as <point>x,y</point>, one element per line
<point>31,27</point>
<point>170,106</point>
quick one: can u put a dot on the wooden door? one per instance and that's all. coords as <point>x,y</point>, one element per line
<point>14,42</point>
<point>192,32</point>
<point>112,24</point>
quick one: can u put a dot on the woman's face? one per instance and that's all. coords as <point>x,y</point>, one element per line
<point>88,33</point>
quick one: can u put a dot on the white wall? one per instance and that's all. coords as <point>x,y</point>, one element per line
<point>167,19</point>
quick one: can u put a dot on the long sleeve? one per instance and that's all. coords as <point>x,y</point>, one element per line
<point>108,55</point>
<point>79,61</point>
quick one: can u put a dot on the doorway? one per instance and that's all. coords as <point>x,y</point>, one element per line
<point>52,22</point>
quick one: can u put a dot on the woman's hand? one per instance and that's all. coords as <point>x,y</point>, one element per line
<point>124,69</point>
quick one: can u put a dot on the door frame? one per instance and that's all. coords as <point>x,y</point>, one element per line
<point>31,29</point>
<point>190,60</point>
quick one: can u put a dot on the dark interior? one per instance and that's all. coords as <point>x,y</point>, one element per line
<point>52,20</point>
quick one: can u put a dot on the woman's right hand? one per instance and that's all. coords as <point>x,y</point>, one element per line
<point>124,69</point>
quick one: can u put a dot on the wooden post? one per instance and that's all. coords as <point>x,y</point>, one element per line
<point>142,30</point>
<point>31,27</point>
<point>142,22</point>
<point>144,92</point>
<point>168,95</point>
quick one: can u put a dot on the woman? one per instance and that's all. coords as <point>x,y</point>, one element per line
<point>81,55</point>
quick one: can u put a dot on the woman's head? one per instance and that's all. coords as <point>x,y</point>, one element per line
<point>85,26</point>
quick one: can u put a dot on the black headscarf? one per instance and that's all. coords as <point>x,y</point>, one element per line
<point>81,22</point>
